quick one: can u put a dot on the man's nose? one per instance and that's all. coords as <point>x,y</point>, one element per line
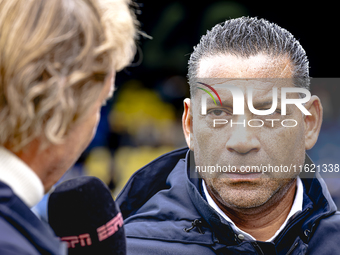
<point>243,137</point>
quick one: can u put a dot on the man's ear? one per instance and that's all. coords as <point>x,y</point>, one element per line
<point>312,122</point>
<point>187,123</point>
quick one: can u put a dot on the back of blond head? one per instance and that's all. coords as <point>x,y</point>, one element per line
<point>54,57</point>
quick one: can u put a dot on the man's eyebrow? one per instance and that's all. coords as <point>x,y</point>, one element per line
<point>229,103</point>
<point>225,102</point>
<point>265,103</point>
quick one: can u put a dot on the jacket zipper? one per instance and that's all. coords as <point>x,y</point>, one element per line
<point>257,247</point>
<point>292,223</point>
<point>195,224</point>
<point>292,248</point>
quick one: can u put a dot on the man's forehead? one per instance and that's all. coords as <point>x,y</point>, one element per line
<point>260,90</point>
<point>257,86</point>
<point>231,66</point>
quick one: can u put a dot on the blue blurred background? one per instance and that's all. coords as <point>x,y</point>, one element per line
<point>143,120</point>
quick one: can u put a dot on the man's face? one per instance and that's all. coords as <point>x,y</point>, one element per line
<point>239,145</point>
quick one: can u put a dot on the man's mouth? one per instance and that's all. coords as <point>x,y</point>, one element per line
<point>244,176</point>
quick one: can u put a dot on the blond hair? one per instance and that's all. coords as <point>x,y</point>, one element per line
<point>54,57</point>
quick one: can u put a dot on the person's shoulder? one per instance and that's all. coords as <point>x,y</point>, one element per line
<point>325,238</point>
<point>136,246</point>
<point>9,249</point>
<point>330,223</point>
<point>12,241</point>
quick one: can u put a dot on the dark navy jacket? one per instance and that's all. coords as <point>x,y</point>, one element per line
<point>165,213</point>
<point>21,232</point>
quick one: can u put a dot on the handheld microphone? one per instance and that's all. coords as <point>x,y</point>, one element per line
<point>82,212</point>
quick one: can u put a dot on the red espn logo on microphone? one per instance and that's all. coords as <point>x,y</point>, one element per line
<point>103,232</point>
<point>110,228</point>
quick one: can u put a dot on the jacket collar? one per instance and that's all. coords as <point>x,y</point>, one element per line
<point>317,203</point>
<point>12,209</point>
<point>164,175</point>
<point>147,181</point>
<point>20,177</point>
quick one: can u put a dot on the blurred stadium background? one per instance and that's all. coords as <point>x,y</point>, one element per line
<point>143,120</point>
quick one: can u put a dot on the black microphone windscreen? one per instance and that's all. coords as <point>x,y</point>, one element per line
<point>82,212</point>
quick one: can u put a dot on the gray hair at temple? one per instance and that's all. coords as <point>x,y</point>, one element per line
<point>247,37</point>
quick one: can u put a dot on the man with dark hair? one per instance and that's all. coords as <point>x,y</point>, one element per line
<point>236,189</point>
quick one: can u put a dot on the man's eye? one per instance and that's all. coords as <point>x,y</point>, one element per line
<point>218,112</point>
<point>278,111</point>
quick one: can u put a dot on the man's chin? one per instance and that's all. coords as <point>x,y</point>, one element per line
<point>245,198</point>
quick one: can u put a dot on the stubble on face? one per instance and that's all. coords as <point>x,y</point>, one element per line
<point>247,195</point>
<point>275,147</point>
